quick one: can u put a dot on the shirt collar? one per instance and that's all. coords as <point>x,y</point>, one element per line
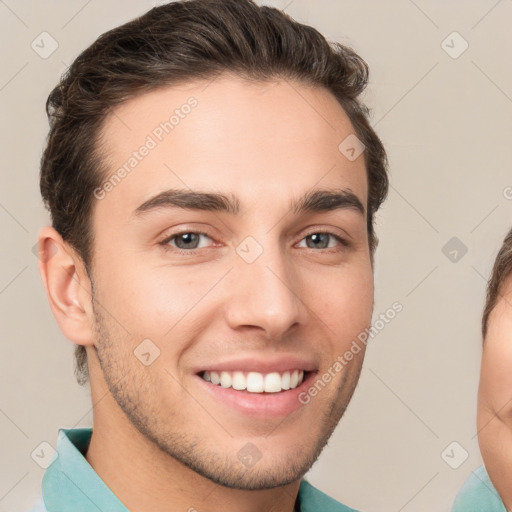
<point>70,482</point>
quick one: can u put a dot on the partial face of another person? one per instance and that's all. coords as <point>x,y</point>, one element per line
<point>273,285</point>
<point>495,395</point>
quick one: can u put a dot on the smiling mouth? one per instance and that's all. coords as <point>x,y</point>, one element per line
<point>255,382</point>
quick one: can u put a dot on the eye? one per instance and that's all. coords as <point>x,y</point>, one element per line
<point>187,240</point>
<point>322,240</point>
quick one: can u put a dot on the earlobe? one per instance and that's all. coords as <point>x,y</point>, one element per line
<point>67,286</point>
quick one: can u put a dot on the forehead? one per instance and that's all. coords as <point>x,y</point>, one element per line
<point>255,139</point>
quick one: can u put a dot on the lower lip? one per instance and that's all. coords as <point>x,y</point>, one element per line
<point>259,404</point>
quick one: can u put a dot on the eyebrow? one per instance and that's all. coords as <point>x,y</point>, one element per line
<point>312,201</point>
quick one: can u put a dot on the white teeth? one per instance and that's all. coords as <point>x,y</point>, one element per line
<point>272,383</point>
<point>238,382</point>
<point>255,382</point>
<point>285,383</point>
<point>225,380</point>
<point>294,379</point>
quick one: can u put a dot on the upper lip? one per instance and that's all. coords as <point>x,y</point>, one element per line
<point>261,365</point>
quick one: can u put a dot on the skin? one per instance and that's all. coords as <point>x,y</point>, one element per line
<point>495,396</point>
<point>154,427</point>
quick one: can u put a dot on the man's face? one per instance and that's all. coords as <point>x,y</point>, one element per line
<point>269,289</point>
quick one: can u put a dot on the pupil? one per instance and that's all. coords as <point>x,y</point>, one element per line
<point>316,237</point>
<point>189,238</point>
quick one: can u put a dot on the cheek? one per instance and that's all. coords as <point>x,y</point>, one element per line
<point>168,306</point>
<point>142,298</point>
<point>345,304</point>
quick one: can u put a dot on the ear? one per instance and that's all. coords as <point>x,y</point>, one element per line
<point>67,285</point>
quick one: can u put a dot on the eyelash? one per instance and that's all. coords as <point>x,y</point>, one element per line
<point>165,243</point>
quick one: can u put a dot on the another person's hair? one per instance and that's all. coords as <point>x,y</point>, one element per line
<point>501,272</point>
<point>172,44</point>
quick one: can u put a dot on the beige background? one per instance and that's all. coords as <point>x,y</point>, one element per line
<point>447,126</point>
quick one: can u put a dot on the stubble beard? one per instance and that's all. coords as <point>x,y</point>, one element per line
<point>130,389</point>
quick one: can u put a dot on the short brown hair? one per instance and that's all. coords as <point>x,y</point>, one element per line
<point>174,43</point>
<point>501,271</point>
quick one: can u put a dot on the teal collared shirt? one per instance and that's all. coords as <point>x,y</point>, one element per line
<point>70,483</point>
<point>478,495</point>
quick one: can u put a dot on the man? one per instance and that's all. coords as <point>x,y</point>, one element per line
<point>488,489</point>
<point>212,180</point>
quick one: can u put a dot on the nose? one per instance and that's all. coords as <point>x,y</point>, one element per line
<point>265,295</point>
